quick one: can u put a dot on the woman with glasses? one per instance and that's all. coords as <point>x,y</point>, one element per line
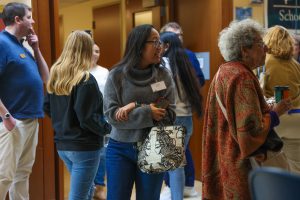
<point>237,119</point>
<point>283,70</point>
<point>74,103</point>
<point>132,88</point>
<point>187,98</point>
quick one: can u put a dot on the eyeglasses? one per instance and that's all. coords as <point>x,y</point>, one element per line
<point>156,43</point>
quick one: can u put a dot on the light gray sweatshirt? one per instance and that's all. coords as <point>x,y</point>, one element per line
<point>122,88</point>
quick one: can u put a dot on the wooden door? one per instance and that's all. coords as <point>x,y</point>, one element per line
<point>136,6</point>
<point>44,180</point>
<point>107,34</point>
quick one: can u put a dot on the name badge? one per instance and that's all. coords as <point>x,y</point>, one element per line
<point>22,55</point>
<point>158,86</point>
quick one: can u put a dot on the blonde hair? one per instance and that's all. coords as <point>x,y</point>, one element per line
<point>72,65</point>
<point>279,42</point>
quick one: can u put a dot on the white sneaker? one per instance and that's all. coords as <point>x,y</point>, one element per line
<point>165,194</point>
<point>190,192</point>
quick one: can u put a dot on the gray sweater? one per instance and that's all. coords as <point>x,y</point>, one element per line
<point>122,88</point>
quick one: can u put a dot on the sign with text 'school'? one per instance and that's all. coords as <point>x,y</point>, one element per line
<point>285,13</point>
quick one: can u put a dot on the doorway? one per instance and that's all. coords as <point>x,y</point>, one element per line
<point>107,34</point>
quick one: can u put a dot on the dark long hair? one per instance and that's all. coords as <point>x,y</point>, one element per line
<point>182,69</point>
<point>134,46</point>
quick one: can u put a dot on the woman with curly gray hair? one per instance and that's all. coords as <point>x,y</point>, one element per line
<point>237,119</point>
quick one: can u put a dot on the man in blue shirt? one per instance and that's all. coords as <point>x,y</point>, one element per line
<point>189,190</point>
<point>21,100</point>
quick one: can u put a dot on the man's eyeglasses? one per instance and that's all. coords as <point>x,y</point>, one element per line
<point>156,43</point>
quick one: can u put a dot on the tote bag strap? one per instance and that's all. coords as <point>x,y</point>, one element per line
<point>219,100</point>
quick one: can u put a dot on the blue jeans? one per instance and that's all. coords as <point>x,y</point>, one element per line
<point>100,176</point>
<point>122,172</point>
<point>82,166</point>
<point>189,169</point>
<point>177,176</point>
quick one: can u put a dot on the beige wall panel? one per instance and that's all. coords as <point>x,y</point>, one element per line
<point>80,16</point>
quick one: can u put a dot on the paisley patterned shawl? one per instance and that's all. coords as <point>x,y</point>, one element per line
<point>227,144</point>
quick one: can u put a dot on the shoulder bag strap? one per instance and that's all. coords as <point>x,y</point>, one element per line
<point>219,100</point>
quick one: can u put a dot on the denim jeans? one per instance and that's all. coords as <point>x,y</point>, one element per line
<point>123,172</point>
<point>82,166</point>
<point>189,169</point>
<point>100,176</point>
<point>177,176</point>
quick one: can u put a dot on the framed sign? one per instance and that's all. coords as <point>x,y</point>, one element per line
<point>243,13</point>
<point>285,13</point>
<point>203,58</point>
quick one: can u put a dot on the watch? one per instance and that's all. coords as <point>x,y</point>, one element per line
<point>7,116</point>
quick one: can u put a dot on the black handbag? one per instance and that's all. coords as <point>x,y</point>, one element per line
<point>272,143</point>
<point>275,157</point>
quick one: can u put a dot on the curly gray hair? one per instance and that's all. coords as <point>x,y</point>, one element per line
<point>237,35</point>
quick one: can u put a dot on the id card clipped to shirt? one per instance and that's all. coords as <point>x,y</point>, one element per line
<point>158,86</point>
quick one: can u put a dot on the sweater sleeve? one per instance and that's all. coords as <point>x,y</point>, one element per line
<point>274,119</point>
<point>88,103</point>
<point>138,118</point>
<point>46,106</point>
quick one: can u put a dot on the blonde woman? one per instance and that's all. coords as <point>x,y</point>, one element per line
<point>282,69</point>
<point>74,103</point>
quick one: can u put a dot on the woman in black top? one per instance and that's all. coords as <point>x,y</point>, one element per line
<point>74,104</point>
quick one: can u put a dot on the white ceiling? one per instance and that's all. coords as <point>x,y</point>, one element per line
<point>66,3</point>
